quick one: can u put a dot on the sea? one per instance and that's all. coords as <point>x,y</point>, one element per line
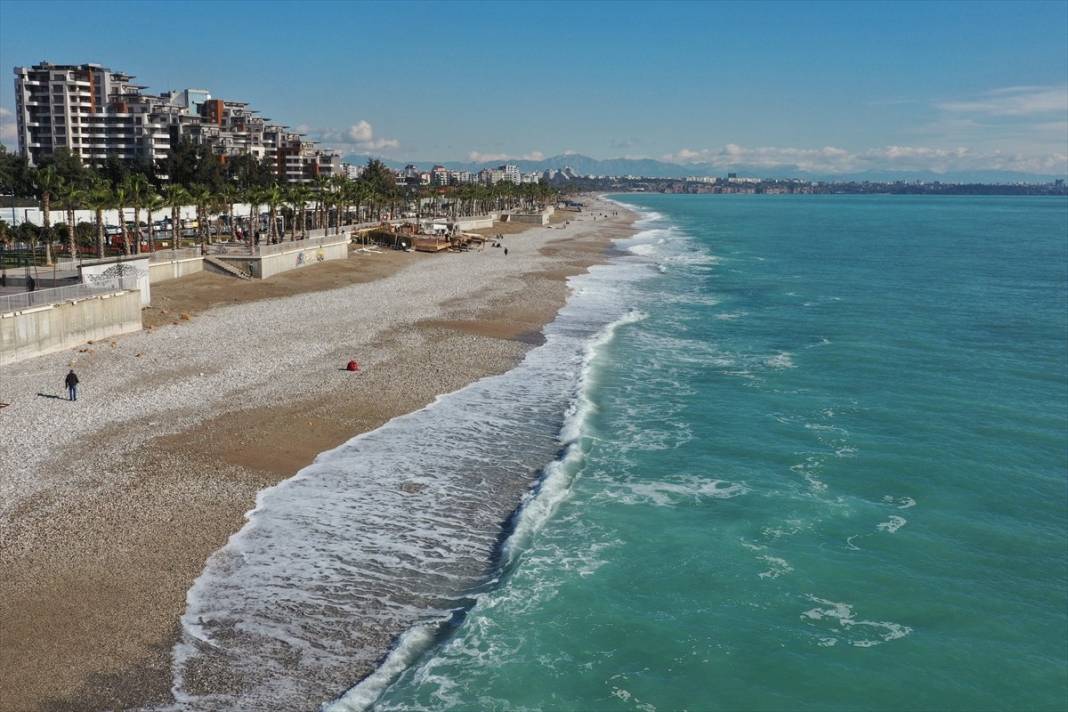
<point>785,453</point>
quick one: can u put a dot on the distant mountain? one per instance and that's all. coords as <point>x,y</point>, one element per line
<point>652,168</point>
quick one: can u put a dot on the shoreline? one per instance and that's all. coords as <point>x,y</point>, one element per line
<point>102,552</point>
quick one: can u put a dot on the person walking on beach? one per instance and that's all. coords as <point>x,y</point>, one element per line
<point>72,385</point>
<point>31,283</point>
<point>506,252</point>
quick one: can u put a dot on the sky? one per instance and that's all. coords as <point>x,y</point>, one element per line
<point>826,87</point>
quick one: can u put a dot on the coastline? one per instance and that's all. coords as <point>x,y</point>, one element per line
<point>105,534</point>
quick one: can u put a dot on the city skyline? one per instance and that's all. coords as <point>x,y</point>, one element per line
<point>934,87</point>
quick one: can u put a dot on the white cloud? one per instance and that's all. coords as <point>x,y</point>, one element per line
<point>8,130</point>
<point>479,157</point>
<point>831,159</point>
<point>361,135</point>
<point>361,131</point>
<point>1013,101</point>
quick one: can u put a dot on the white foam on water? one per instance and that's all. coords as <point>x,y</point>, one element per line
<point>891,525</point>
<point>537,506</point>
<point>686,490</point>
<point>383,537</point>
<point>781,360</point>
<point>410,646</point>
<point>900,502</point>
<point>842,616</point>
<point>779,567</point>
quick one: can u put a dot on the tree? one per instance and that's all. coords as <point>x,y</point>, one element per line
<point>273,196</point>
<point>380,178</point>
<point>48,184</point>
<point>120,195</point>
<point>69,167</point>
<point>201,196</point>
<point>322,190</point>
<point>100,198</point>
<point>138,189</point>
<point>254,197</point>
<point>229,194</point>
<point>175,196</point>
<point>246,171</point>
<point>16,178</point>
<point>153,202</point>
<point>70,197</point>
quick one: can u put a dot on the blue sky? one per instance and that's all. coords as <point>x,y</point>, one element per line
<point>833,87</point>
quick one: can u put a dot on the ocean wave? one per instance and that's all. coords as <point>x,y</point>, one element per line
<point>892,524</point>
<point>686,490</point>
<point>537,506</point>
<point>846,625</point>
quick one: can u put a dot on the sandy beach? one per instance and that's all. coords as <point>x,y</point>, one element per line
<point>110,506</point>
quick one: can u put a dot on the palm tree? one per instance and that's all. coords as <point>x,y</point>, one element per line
<point>274,196</point>
<point>70,197</point>
<point>153,202</point>
<point>322,188</point>
<point>138,188</point>
<point>120,196</point>
<point>200,195</point>
<point>301,195</point>
<point>175,196</point>
<point>230,195</point>
<point>48,183</point>
<point>254,196</point>
<point>99,199</point>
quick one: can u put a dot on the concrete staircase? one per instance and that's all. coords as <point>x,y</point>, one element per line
<point>225,267</point>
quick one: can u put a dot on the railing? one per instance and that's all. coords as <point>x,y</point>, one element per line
<point>310,243</point>
<point>241,249</point>
<point>183,253</point>
<point>44,297</point>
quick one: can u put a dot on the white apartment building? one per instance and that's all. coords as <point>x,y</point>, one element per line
<point>96,112</point>
<point>89,110</point>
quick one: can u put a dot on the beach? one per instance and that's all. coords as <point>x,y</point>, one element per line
<point>111,505</point>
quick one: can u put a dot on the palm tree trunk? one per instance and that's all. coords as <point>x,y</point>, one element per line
<point>174,227</point>
<point>125,233</point>
<point>70,236</point>
<point>137,228</point>
<point>99,232</point>
<point>46,200</point>
<point>151,232</point>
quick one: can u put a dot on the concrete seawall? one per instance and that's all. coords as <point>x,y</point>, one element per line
<point>285,256</point>
<point>161,270</point>
<point>45,329</point>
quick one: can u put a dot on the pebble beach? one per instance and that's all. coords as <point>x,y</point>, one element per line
<point>110,506</point>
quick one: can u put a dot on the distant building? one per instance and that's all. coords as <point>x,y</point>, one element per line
<point>439,175</point>
<point>511,173</point>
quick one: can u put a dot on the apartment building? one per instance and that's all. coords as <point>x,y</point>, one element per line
<point>96,112</point>
<point>89,110</point>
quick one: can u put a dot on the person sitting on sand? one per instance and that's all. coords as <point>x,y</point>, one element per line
<point>72,385</point>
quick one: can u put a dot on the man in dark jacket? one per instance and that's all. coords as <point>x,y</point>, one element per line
<point>72,385</point>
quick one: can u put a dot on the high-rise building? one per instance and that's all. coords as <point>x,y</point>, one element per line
<point>97,113</point>
<point>89,110</point>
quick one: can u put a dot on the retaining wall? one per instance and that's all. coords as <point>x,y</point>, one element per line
<point>474,223</point>
<point>159,271</point>
<point>530,218</point>
<point>46,329</point>
<point>289,258</point>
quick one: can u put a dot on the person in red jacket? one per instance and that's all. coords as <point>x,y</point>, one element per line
<point>352,366</point>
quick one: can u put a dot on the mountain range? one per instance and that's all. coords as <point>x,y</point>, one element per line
<point>652,168</point>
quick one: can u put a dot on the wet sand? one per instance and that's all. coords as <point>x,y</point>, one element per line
<point>97,562</point>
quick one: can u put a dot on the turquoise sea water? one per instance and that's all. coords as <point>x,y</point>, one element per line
<point>821,464</point>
